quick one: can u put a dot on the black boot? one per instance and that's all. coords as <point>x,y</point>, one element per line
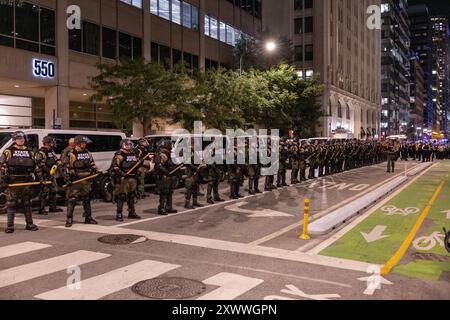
<point>119,214</point>
<point>70,209</point>
<point>170,208</point>
<point>132,210</point>
<point>88,210</point>
<point>217,198</point>
<point>42,211</point>
<point>53,207</point>
<point>11,215</point>
<point>29,218</point>
<point>196,203</point>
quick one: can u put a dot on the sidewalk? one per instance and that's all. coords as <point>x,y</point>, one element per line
<point>378,238</point>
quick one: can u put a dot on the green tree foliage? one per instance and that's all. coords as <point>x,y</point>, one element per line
<point>138,91</point>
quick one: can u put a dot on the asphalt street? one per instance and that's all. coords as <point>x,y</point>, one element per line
<point>241,249</point>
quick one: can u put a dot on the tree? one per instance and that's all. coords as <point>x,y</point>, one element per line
<point>139,91</point>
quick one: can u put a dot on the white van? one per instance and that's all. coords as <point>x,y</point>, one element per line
<point>103,147</point>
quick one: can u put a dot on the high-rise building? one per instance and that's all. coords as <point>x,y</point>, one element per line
<point>422,44</point>
<point>441,70</point>
<point>416,77</point>
<point>45,68</point>
<point>332,40</point>
<point>395,54</point>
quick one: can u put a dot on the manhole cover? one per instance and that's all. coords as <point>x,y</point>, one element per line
<point>169,288</point>
<point>122,239</point>
<point>431,257</point>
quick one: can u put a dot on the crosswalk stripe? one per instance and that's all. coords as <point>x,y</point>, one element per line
<point>111,282</point>
<point>231,286</point>
<point>44,267</point>
<point>20,248</point>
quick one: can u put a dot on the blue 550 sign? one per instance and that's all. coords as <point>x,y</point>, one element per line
<point>43,69</point>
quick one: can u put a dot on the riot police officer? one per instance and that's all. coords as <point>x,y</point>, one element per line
<point>295,161</point>
<point>253,168</point>
<point>167,181</point>
<point>18,165</point>
<point>282,169</point>
<point>192,182</point>
<point>142,152</point>
<point>47,160</point>
<point>79,164</point>
<point>125,174</point>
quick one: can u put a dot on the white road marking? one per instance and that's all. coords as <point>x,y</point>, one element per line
<point>98,287</point>
<point>328,242</point>
<point>447,212</point>
<point>375,235</point>
<point>256,213</point>
<point>293,290</point>
<point>229,247</point>
<point>231,286</point>
<point>320,214</point>
<point>374,282</point>
<point>44,267</point>
<point>20,248</point>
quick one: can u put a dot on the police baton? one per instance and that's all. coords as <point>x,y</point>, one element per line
<point>137,165</point>
<point>29,184</point>
<point>83,180</point>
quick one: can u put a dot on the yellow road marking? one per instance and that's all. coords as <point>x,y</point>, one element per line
<point>407,242</point>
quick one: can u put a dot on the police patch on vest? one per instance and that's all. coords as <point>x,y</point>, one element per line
<point>131,159</point>
<point>83,156</point>
<point>21,154</point>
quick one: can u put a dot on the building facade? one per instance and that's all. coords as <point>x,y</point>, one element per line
<point>422,45</point>
<point>416,78</point>
<point>395,55</point>
<point>441,70</point>
<point>45,68</point>
<point>332,40</point>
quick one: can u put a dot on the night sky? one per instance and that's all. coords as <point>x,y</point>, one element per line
<point>435,6</point>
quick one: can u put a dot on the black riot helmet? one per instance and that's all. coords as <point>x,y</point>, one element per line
<point>50,141</point>
<point>82,139</point>
<point>143,142</point>
<point>19,134</point>
<point>126,144</point>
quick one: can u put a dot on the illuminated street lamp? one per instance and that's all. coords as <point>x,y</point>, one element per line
<point>271,46</point>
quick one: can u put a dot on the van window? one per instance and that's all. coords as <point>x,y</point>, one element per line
<point>99,143</point>
<point>33,142</point>
<point>4,138</point>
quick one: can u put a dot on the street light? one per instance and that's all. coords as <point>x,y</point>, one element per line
<point>271,46</point>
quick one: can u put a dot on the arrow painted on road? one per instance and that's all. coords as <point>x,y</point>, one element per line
<point>374,282</point>
<point>375,235</point>
<point>447,212</point>
<point>256,213</point>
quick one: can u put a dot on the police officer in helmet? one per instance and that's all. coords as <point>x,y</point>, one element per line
<point>47,161</point>
<point>18,165</point>
<point>125,175</point>
<point>79,164</point>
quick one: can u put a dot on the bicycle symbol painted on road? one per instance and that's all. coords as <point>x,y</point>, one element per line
<point>428,243</point>
<point>393,210</point>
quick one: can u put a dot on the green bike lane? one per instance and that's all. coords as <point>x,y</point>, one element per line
<point>380,236</point>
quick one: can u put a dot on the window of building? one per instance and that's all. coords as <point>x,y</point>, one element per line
<point>339,110</point>
<point>207,26</point>
<point>309,52</point>
<point>309,4</point>
<point>27,26</point>
<point>134,3</point>
<point>222,32</point>
<point>164,9</point>
<point>298,51</point>
<point>214,28</point>
<point>309,24</point>
<point>176,56</point>
<point>348,112</point>
<point>109,43</point>
<point>298,4</point>
<point>298,26</point>
<point>91,38</point>
<point>125,46</point>
<point>176,11</point>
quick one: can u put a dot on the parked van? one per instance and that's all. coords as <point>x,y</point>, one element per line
<point>103,147</point>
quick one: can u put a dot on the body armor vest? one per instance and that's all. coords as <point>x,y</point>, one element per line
<point>50,157</point>
<point>21,161</point>
<point>129,160</point>
<point>82,163</point>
